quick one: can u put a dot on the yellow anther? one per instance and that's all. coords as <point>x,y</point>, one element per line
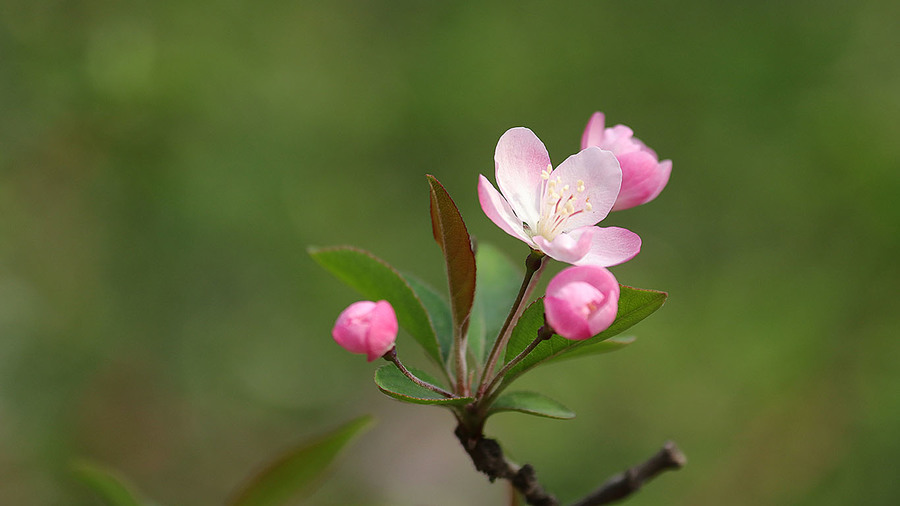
<point>588,206</point>
<point>565,188</point>
<point>580,186</point>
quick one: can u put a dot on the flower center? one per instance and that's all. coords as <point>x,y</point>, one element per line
<point>559,202</point>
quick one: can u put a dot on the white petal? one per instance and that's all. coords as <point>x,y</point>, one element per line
<point>497,209</point>
<point>568,247</point>
<point>519,159</point>
<point>599,172</point>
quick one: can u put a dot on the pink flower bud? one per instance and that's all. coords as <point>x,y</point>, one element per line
<point>581,301</point>
<point>367,327</point>
<point>643,175</point>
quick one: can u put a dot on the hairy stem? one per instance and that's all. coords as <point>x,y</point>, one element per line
<point>462,386</point>
<point>544,333</point>
<point>391,356</point>
<point>533,265</point>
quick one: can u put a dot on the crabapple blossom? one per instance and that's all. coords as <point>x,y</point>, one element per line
<point>367,327</point>
<point>643,175</point>
<point>555,210</point>
<point>581,301</point>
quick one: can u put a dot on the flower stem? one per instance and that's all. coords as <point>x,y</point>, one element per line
<point>391,356</point>
<point>544,333</point>
<point>533,265</point>
<point>462,386</point>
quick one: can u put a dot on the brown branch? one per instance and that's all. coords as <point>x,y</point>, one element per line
<point>624,484</point>
<point>488,458</point>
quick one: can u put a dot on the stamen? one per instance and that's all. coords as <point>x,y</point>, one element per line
<point>559,205</point>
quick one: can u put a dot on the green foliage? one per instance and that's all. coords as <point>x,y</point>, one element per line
<point>114,489</point>
<point>634,305</point>
<point>530,403</point>
<point>375,279</point>
<point>298,471</point>
<point>438,312</point>
<point>453,238</point>
<point>498,283</point>
<point>596,348</point>
<point>395,384</point>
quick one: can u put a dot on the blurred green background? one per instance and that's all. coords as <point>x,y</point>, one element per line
<point>164,166</point>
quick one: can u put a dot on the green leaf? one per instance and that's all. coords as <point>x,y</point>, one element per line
<point>608,346</point>
<point>438,312</point>
<point>634,305</point>
<point>453,238</point>
<point>298,471</point>
<point>531,403</point>
<point>395,384</point>
<point>498,285</point>
<point>114,489</point>
<point>375,279</point>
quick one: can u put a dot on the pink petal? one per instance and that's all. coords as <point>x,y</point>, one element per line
<point>519,159</point>
<point>567,247</point>
<point>620,139</point>
<point>665,171</point>
<point>593,132</point>
<point>643,178</point>
<point>498,210</point>
<point>351,328</point>
<point>581,301</point>
<point>565,319</point>
<point>599,171</point>
<point>611,246</point>
<point>382,330</point>
<point>644,147</point>
<point>367,327</point>
<point>602,318</point>
<point>594,275</point>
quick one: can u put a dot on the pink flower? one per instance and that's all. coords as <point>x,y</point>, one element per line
<point>367,327</point>
<point>643,175</point>
<point>581,301</point>
<point>554,210</point>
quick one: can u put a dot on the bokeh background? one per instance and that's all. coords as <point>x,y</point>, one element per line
<point>165,165</point>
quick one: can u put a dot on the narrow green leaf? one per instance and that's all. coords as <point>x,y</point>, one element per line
<point>608,346</point>
<point>395,384</point>
<point>453,238</point>
<point>114,489</point>
<point>531,403</point>
<point>498,284</point>
<point>438,312</point>
<point>299,470</point>
<point>375,279</point>
<point>634,305</point>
